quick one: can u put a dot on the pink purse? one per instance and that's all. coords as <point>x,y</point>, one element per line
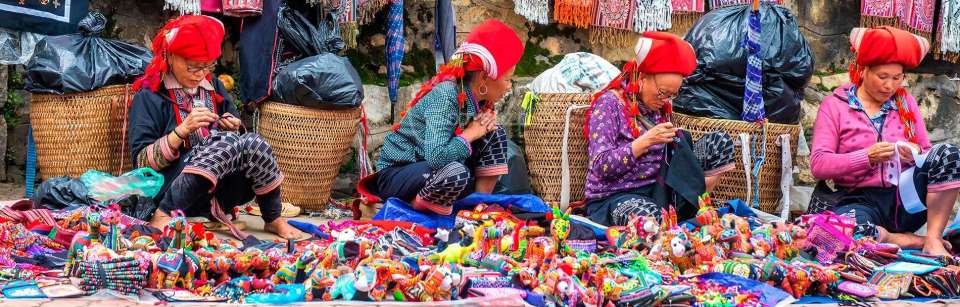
<point>829,234</point>
<point>242,8</point>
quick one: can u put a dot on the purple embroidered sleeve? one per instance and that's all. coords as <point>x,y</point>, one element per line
<point>609,158</point>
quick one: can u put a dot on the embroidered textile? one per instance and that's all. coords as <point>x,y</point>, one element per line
<point>185,7</point>
<point>43,17</point>
<point>753,109</point>
<point>716,4</point>
<point>578,13</point>
<point>395,42</point>
<point>537,11</point>
<point>652,15</point>
<point>616,14</point>
<point>613,22</point>
<point>918,17</point>
<point>947,46</point>
<point>874,13</point>
<point>685,14</point>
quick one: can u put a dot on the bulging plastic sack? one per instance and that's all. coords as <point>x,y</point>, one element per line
<point>84,62</point>
<point>324,81</point>
<point>716,88</point>
<point>104,187</point>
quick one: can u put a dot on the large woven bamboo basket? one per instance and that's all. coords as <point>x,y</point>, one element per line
<point>543,145</point>
<point>309,145</point>
<point>733,184</point>
<point>78,132</point>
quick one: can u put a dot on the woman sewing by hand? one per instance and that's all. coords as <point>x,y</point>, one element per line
<point>183,124</point>
<point>629,131</point>
<point>865,126</point>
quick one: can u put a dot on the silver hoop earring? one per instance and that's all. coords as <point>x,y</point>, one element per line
<point>482,90</point>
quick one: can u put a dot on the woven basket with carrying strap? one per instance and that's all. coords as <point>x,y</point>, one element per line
<point>78,132</point>
<point>775,174</point>
<point>556,118</point>
<point>310,145</point>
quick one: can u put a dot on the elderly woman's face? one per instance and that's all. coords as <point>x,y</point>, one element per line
<point>660,89</point>
<point>189,73</point>
<point>496,89</point>
<point>880,82</point>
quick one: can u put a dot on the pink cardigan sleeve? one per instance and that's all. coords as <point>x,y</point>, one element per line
<point>825,162</point>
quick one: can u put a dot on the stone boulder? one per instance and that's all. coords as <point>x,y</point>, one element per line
<point>939,102</point>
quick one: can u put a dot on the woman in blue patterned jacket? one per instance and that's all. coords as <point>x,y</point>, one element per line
<point>448,144</point>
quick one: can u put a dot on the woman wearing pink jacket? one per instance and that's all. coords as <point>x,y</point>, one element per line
<point>865,126</point>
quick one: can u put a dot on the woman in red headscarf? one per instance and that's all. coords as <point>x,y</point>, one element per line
<point>629,131</point>
<point>448,142</point>
<point>184,125</point>
<point>868,125</point>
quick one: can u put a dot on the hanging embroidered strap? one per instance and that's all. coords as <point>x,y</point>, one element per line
<point>565,157</point>
<point>364,167</point>
<point>31,176</point>
<point>394,48</point>
<point>745,157</point>
<point>125,104</point>
<point>527,107</point>
<point>222,217</point>
<point>753,109</point>
<point>786,175</point>
<point>759,159</point>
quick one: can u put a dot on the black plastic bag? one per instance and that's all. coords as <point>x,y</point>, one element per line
<point>716,88</point>
<point>83,62</point>
<point>325,81</point>
<point>62,192</point>
<point>302,39</point>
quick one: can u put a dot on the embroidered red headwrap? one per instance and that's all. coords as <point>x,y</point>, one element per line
<point>194,37</point>
<point>888,45</point>
<point>656,53</point>
<point>492,47</point>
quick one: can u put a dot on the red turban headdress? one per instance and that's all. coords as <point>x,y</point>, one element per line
<point>661,52</point>
<point>495,44</point>
<point>656,53</point>
<point>194,37</point>
<point>492,47</point>
<point>886,45</point>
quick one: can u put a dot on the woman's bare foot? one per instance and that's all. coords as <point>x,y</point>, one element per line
<point>280,227</point>
<point>160,220</point>
<point>903,240</point>
<point>936,247</point>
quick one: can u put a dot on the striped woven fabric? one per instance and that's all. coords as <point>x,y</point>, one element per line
<point>947,46</point>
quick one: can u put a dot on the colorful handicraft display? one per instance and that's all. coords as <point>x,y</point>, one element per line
<point>489,252</point>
